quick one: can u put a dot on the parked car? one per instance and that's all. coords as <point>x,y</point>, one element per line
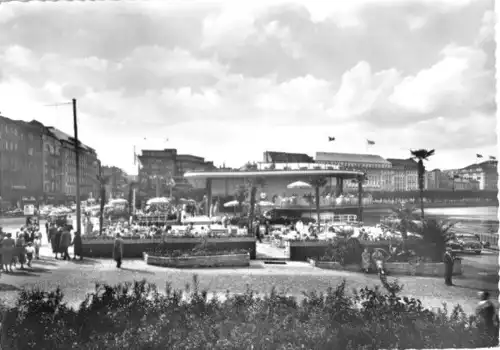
<point>15,213</point>
<point>465,242</point>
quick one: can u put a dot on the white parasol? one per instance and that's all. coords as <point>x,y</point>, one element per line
<point>231,204</point>
<point>158,200</point>
<point>299,184</point>
<point>187,201</point>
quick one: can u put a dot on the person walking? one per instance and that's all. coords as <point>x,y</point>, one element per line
<point>256,227</point>
<point>118,250</point>
<point>486,312</point>
<point>20,250</point>
<point>37,244</point>
<point>366,261</point>
<point>8,245</point>
<point>47,230</point>
<point>56,240</point>
<point>65,243</point>
<point>77,246</point>
<point>448,260</point>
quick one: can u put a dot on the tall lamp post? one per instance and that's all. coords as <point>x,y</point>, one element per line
<point>77,168</point>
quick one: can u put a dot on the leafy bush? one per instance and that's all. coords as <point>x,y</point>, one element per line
<point>343,252</point>
<point>204,249</point>
<point>138,316</point>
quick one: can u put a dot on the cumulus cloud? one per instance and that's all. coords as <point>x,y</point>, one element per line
<point>278,75</point>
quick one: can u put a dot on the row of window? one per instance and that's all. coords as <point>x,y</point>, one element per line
<point>9,129</point>
<point>359,165</point>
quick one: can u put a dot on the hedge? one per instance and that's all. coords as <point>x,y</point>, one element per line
<point>137,316</point>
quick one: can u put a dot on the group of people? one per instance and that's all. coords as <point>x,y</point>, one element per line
<point>22,249</point>
<point>60,240</point>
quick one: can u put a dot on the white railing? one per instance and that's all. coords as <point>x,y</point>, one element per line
<point>323,202</point>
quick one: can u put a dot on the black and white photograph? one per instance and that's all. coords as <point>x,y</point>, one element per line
<point>248,175</point>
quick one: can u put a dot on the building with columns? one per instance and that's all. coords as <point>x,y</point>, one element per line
<point>379,175</point>
<point>404,174</point>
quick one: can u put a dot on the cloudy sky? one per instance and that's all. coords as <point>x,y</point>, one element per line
<point>230,80</point>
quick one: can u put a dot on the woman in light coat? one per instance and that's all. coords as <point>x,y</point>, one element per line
<point>37,244</point>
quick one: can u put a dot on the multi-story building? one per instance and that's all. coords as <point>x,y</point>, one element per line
<point>89,167</point>
<point>405,174</point>
<point>51,164</point>
<point>162,170</point>
<point>485,173</point>
<point>378,170</point>
<point>20,161</point>
<point>449,180</point>
<point>116,183</point>
<point>435,179</point>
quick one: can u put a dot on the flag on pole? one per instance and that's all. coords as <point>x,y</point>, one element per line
<point>493,158</point>
<point>330,138</point>
<point>370,142</point>
<point>479,155</point>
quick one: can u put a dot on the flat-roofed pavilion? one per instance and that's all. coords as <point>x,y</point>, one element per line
<point>277,170</point>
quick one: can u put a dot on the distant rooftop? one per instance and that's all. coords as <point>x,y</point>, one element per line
<point>486,165</point>
<point>406,163</point>
<point>284,157</point>
<point>350,157</point>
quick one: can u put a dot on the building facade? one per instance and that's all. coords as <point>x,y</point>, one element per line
<point>52,165</point>
<point>404,174</point>
<point>379,175</point>
<point>116,184</point>
<point>162,170</point>
<point>449,180</point>
<point>20,161</point>
<point>485,173</point>
<point>89,167</point>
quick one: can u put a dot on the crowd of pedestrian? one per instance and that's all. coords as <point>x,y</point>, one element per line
<point>20,249</point>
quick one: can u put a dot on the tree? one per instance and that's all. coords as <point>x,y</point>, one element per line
<point>130,190</point>
<point>405,221</point>
<point>453,178</point>
<point>317,183</point>
<point>103,181</point>
<point>435,234</point>
<point>240,195</point>
<point>310,200</point>
<point>421,155</point>
<point>253,184</point>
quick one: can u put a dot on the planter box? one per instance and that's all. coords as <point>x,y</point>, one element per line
<point>232,260</point>
<point>422,269</point>
<point>333,265</point>
<point>304,250</point>
<point>399,268</point>
<point>134,248</point>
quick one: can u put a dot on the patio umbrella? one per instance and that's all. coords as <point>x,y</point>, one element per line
<point>299,184</point>
<point>187,201</point>
<point>158,200</point>
<point>231,204</point>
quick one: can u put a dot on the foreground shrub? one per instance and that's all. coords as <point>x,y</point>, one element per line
<point>137,316</point>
